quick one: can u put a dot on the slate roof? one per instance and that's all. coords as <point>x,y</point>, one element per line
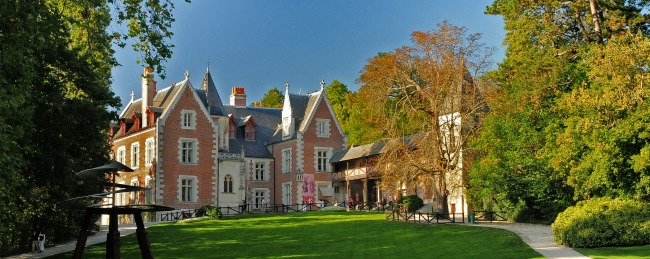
<point>266,120</point>
<point>302,106</point>
<point>367,150</point>
<point>161,102</point>
<point>209,95</point>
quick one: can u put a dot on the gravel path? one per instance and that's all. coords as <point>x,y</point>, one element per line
<point>537,236</point>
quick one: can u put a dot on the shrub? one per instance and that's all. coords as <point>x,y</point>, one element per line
<point>210,211</point>
<point>190,220</point>
<point>414,202</point>
<point>603,222</point>
<point>333,209</point>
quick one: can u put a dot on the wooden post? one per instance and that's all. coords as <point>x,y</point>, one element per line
<point>113,237</point>
<point>83,236</point>
<point>143,241</point>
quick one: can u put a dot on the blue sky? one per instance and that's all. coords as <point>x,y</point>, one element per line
<point>260,44</point>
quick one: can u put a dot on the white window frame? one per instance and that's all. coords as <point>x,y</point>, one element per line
<point>135,155</point>
<point>322,163</point>
<point>192,154</point>
<point>260,171</point>
<point>286,160</point>
<point>286,193</point>
<point>134,195</point>
<point>121,155</point>
<point>188,119</point>
<point>260,198</point>
<point>323,128</point>
<point>148,194</point>
<point>149,150</point>
<point>188,188</point>
<point>120,198</point>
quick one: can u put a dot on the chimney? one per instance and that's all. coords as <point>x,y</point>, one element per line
<point>148,91</point>
<point>238,97</point>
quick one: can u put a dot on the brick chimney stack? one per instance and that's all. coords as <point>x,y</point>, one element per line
<point>148,91</point>
<point>238,97</point>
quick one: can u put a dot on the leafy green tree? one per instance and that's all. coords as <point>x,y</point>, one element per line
<point>336,93</point>
<point>55,63</point>
<point>272,99</point>
<point>547,143</point>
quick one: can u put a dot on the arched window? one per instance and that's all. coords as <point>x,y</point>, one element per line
<point>227,184</point>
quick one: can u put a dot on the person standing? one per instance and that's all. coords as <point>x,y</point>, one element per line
<point>35,242</point>
<point>41,242</point>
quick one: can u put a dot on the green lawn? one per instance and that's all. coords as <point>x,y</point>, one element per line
<point>633,252</point>
<point>321,235</point>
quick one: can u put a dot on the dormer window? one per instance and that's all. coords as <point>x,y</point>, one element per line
<point>250,132</point>
<point>232,128</point>
<point>249,129</point>
<point>188,119</point>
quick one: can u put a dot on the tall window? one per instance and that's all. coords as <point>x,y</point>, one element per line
<point>188,119</point>
<point>322,127</point>
<point>148,152</point>
<point>134,199</point>
<point>135,155</point>
<point>148,195</point>
<point>286,160</point>
<point>286,193</point>
<point>260,172</point>
<point>188,151</point>
<point>188,188</point>
<point>120,198</point>
<point>227,184</point>
<point>321,156</point>
<point>258,199</point>
<point>121,155</point>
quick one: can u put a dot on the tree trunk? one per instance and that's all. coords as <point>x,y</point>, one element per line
<point>440,195</point>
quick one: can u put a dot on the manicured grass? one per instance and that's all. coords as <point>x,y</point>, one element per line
<point>321,235</point>
<point>632,252</point>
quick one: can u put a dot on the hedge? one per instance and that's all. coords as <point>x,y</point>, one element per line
<point>603,222</point>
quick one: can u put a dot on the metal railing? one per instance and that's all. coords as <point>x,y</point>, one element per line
<point>400,213</point>
<point>275,208</point>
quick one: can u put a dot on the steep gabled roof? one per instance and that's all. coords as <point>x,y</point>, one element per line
<point>309,110</point>
<point>266,121</point>
<point>209,95</point>
<point>161,103</point>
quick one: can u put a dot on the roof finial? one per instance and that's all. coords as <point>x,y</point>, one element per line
<point>187,74</point>
<point>286,86</point>
<point>322,83</point>
<point>132,95</point>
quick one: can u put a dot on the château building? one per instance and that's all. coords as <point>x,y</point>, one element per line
<point>192,150</point>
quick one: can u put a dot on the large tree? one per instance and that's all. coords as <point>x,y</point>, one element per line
<point>428,100</point>
<point>56,103</point>
<point>562,128</point>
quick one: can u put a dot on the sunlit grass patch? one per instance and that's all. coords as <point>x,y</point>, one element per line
<point>322,235</point>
